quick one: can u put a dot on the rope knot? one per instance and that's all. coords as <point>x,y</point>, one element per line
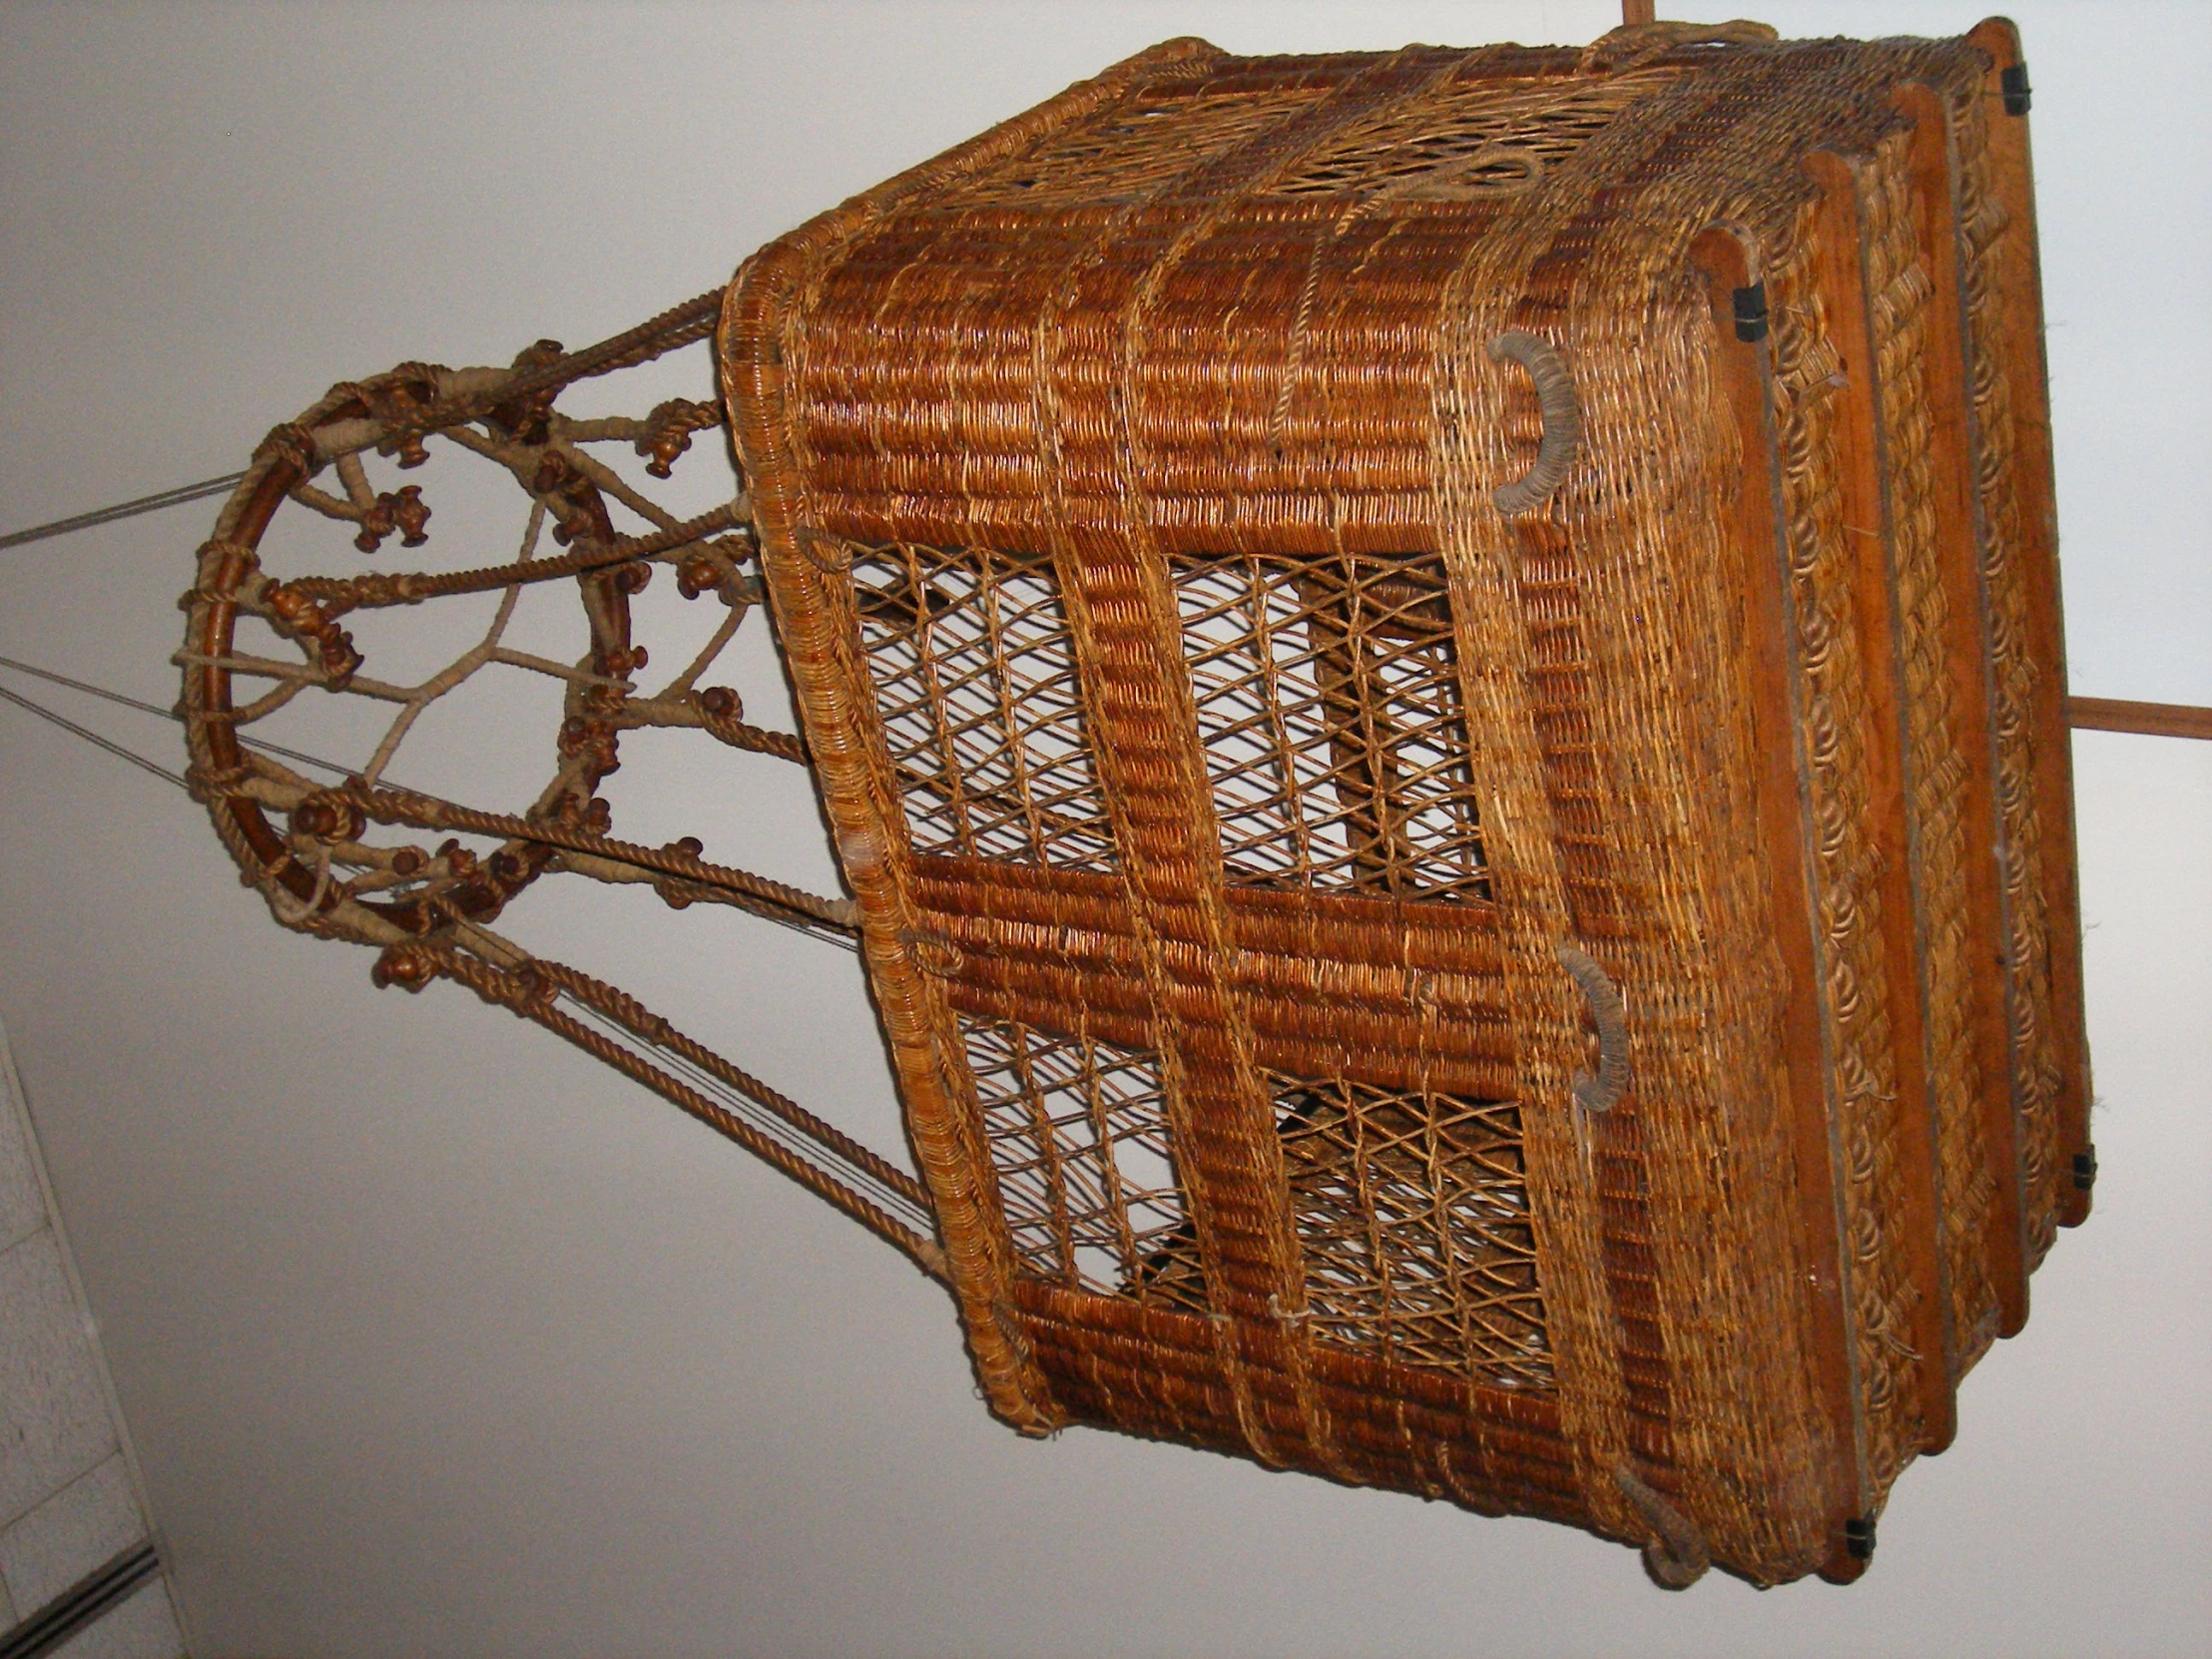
<point>408,967</point>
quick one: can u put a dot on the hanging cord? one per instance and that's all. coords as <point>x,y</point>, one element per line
<point>644,1048</point>
<point>146,708</point>
<point>620,1031</point>
<point>781,915</point>
<point>94,738</point>
<point>123,509</point>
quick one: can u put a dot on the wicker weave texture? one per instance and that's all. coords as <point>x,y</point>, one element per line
<point>1260,738</point>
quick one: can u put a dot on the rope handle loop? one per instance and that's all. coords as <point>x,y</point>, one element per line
<point>1602,1092</point>
<point>1562,413</point>
<point>826,553</point>
<point>1635,44</point>
<point>1676,1556</point>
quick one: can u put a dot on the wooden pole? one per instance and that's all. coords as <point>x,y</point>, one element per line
<point>2157,720</point>
<point>1634,12</point>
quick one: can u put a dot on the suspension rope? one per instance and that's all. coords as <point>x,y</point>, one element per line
<point>123,509</point>
<point>262,744</point>
<point>536,989</point>
<point>774,903</point>
<point>674,329</point>
<point>855,1179</point>
<point>387,804</point>
<point>94,738</point>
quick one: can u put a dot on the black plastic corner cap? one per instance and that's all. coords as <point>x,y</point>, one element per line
<point>1751,312</point>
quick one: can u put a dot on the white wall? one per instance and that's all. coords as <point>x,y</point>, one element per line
<point>435,1338</point>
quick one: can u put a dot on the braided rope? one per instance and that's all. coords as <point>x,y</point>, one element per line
<point>1562,413</point>
<point>678,326</point>
<point>337,595</point>
<point>530,991</point>
<point>633,1015</point>
<point>1676,1556</point>
<point>1602,1092</point>
<point>387,804</point>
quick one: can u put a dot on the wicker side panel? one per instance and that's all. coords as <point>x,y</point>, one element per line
<point>1609,716</point>
<point>1151,1372</point>
<point>1938,751</point>
<point>2004,313</point>
<point>1810,386</point>
<point>761,348</point>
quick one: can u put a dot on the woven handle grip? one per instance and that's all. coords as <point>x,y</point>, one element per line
<point>1634,44</point>
<point>1599,1093</point>
<point>1562,421</point>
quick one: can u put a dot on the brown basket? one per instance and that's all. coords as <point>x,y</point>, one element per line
<point>1438,679</point>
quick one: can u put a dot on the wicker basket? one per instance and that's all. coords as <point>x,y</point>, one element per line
<point>1438,674</point>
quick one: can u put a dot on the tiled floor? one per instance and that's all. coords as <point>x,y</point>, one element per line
<point>68,1503</point>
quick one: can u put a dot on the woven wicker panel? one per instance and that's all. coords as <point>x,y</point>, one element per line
<point>1118,155</point>
<point>1471,139</point>
<point>1327,701</point>
<point>1412,1211</point>
<point>1079,1140</point>
<point>980,708</point>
